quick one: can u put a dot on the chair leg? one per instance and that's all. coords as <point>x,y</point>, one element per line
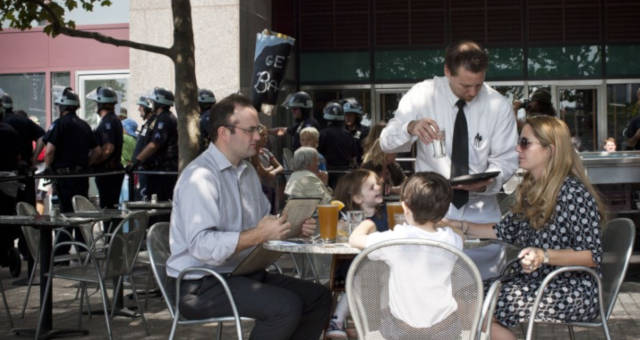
<point>6,305</point>
<point>82,285</point>
<point>219,332</point>
<point>135,296</point>
<point>31,276</point>
<point>86,294</point>
<point>105,306</point>
<point>116,295</point>
<point>174,326</point>
<point>605,329</point>
<point>572,335</point>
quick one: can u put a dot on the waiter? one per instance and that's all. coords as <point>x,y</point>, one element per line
<point>109,138</point>
<point>479,125</point>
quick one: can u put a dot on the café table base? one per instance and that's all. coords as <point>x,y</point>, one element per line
<point>50,334</point>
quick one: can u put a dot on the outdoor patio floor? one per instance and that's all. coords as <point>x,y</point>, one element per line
<point>624,323</point>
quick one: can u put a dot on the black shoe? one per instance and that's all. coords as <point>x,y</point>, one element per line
<point>15,263</point>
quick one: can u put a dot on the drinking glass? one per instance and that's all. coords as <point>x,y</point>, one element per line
<point>438,144</point>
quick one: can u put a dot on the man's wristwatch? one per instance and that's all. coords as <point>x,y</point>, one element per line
<point>545,259</point>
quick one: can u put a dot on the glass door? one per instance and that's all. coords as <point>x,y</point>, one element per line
<point>578,107</point>
<point>87,81</point>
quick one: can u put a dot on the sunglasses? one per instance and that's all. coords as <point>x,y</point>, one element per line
<point>524,143</point>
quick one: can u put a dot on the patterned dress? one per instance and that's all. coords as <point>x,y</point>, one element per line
<point>570,296</point>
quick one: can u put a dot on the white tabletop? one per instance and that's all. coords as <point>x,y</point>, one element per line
<point>306,246</point>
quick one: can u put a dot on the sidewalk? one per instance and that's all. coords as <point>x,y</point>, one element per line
<point>624,323</point>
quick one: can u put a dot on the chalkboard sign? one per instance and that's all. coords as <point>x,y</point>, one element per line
<point>269,65</point>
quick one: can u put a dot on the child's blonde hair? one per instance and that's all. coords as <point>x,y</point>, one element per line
<point>310,132</point>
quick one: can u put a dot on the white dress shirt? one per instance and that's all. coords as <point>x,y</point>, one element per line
<point>492,139</point>
<point>213,202</point>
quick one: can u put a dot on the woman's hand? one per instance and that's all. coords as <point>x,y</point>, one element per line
<point>531,259</point>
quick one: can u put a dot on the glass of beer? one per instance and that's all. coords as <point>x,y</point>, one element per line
<point>393,208</point>
<point>328,222</point>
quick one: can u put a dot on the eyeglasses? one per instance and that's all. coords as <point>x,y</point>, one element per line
<point>524,143</point>
<point>250,130</point>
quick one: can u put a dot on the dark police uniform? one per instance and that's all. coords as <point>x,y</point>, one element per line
<point>73,140</point>
<point>165,135</point>
<point>205,121</point>
<point>10,141</point>
<point>294,130</point>
<point>144,137</point>
<point>339,149</point>
<point>359,134</point>
<point>109,131</point>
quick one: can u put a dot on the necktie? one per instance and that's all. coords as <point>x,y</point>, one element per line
<point>460,154</point>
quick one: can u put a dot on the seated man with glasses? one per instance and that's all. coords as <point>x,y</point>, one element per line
<point>219,215</point>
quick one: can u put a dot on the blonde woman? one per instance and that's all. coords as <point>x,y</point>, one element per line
<point>556,220</point>
<point>385,166</point>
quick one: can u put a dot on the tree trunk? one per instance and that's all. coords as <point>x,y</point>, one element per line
<point>186,87</point>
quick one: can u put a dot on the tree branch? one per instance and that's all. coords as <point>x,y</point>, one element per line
<point>60,28</point>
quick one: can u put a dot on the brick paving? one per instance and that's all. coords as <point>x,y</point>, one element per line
<point>624,323</point>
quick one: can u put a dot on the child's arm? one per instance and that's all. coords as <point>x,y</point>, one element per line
<point>358,238</point>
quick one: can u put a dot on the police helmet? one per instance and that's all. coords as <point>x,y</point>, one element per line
<point>7,102</point>
<point>67,98</point>
<point>103,95</point>
<point>299,99</point>
<point>333,111</point>
<point>206,96</point>
<point>352,105</point>
<point>162,96</point>
<point>144,102</point>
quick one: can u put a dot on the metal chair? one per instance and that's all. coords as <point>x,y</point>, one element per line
<point>367,289</point>
<point>32,238</point>
<point>159,252</point>
<point>617,244</point>
<point>82,204</point>
<point>121,254</point>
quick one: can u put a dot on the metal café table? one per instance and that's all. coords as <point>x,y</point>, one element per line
<point>490,256</point>
<point>45,223</point>
<point>148,205</point>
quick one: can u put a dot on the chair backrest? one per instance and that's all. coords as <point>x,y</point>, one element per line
<point>125,244</point>
<point>31,234</point>
<point>80,204</point>
<point>617,243</point>
<point>159,252</point>
<point>369,290</point>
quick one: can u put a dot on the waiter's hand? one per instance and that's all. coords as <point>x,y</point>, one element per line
<point>479,186</point>
<point>425,129</point>
<point>308,227</point>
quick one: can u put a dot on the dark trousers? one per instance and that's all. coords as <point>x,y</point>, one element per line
<point>8,233</point>
<point>109,190</point>
<point>161,185</point>
<point>66,188</point>
<point>283,307</point>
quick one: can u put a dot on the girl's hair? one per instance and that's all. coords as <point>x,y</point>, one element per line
<point>350,185</point>
<point>536,198</point>
<point>374,155</point>
<point>373,135</point>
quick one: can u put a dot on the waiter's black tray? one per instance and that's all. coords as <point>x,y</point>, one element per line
<point>468,179</point>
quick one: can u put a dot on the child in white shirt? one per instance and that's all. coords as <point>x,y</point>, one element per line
<point>420,293</point>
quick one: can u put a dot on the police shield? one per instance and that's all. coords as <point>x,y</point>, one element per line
<point>269,65</point>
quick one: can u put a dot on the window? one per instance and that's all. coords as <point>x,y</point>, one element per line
<point>88,81</point>
<point>59,81</point>
<point>27,91</point>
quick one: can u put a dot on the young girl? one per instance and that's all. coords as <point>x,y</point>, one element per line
<point>360,189</point>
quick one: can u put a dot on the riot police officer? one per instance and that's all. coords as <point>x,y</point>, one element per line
<point>336,143</point>
<point>300,106</point>
<point>109,138</point>
<point>70,148</point>
<point>145,109</point>
<point>161,148</point>
<point>352,121</point>
<point>206,100</point>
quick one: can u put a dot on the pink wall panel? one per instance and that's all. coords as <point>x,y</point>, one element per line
<point>33,51</point>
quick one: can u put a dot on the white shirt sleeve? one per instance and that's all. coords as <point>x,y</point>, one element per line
<point>503,156</point>
<point>395,137</point>
<point>199,215</point>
